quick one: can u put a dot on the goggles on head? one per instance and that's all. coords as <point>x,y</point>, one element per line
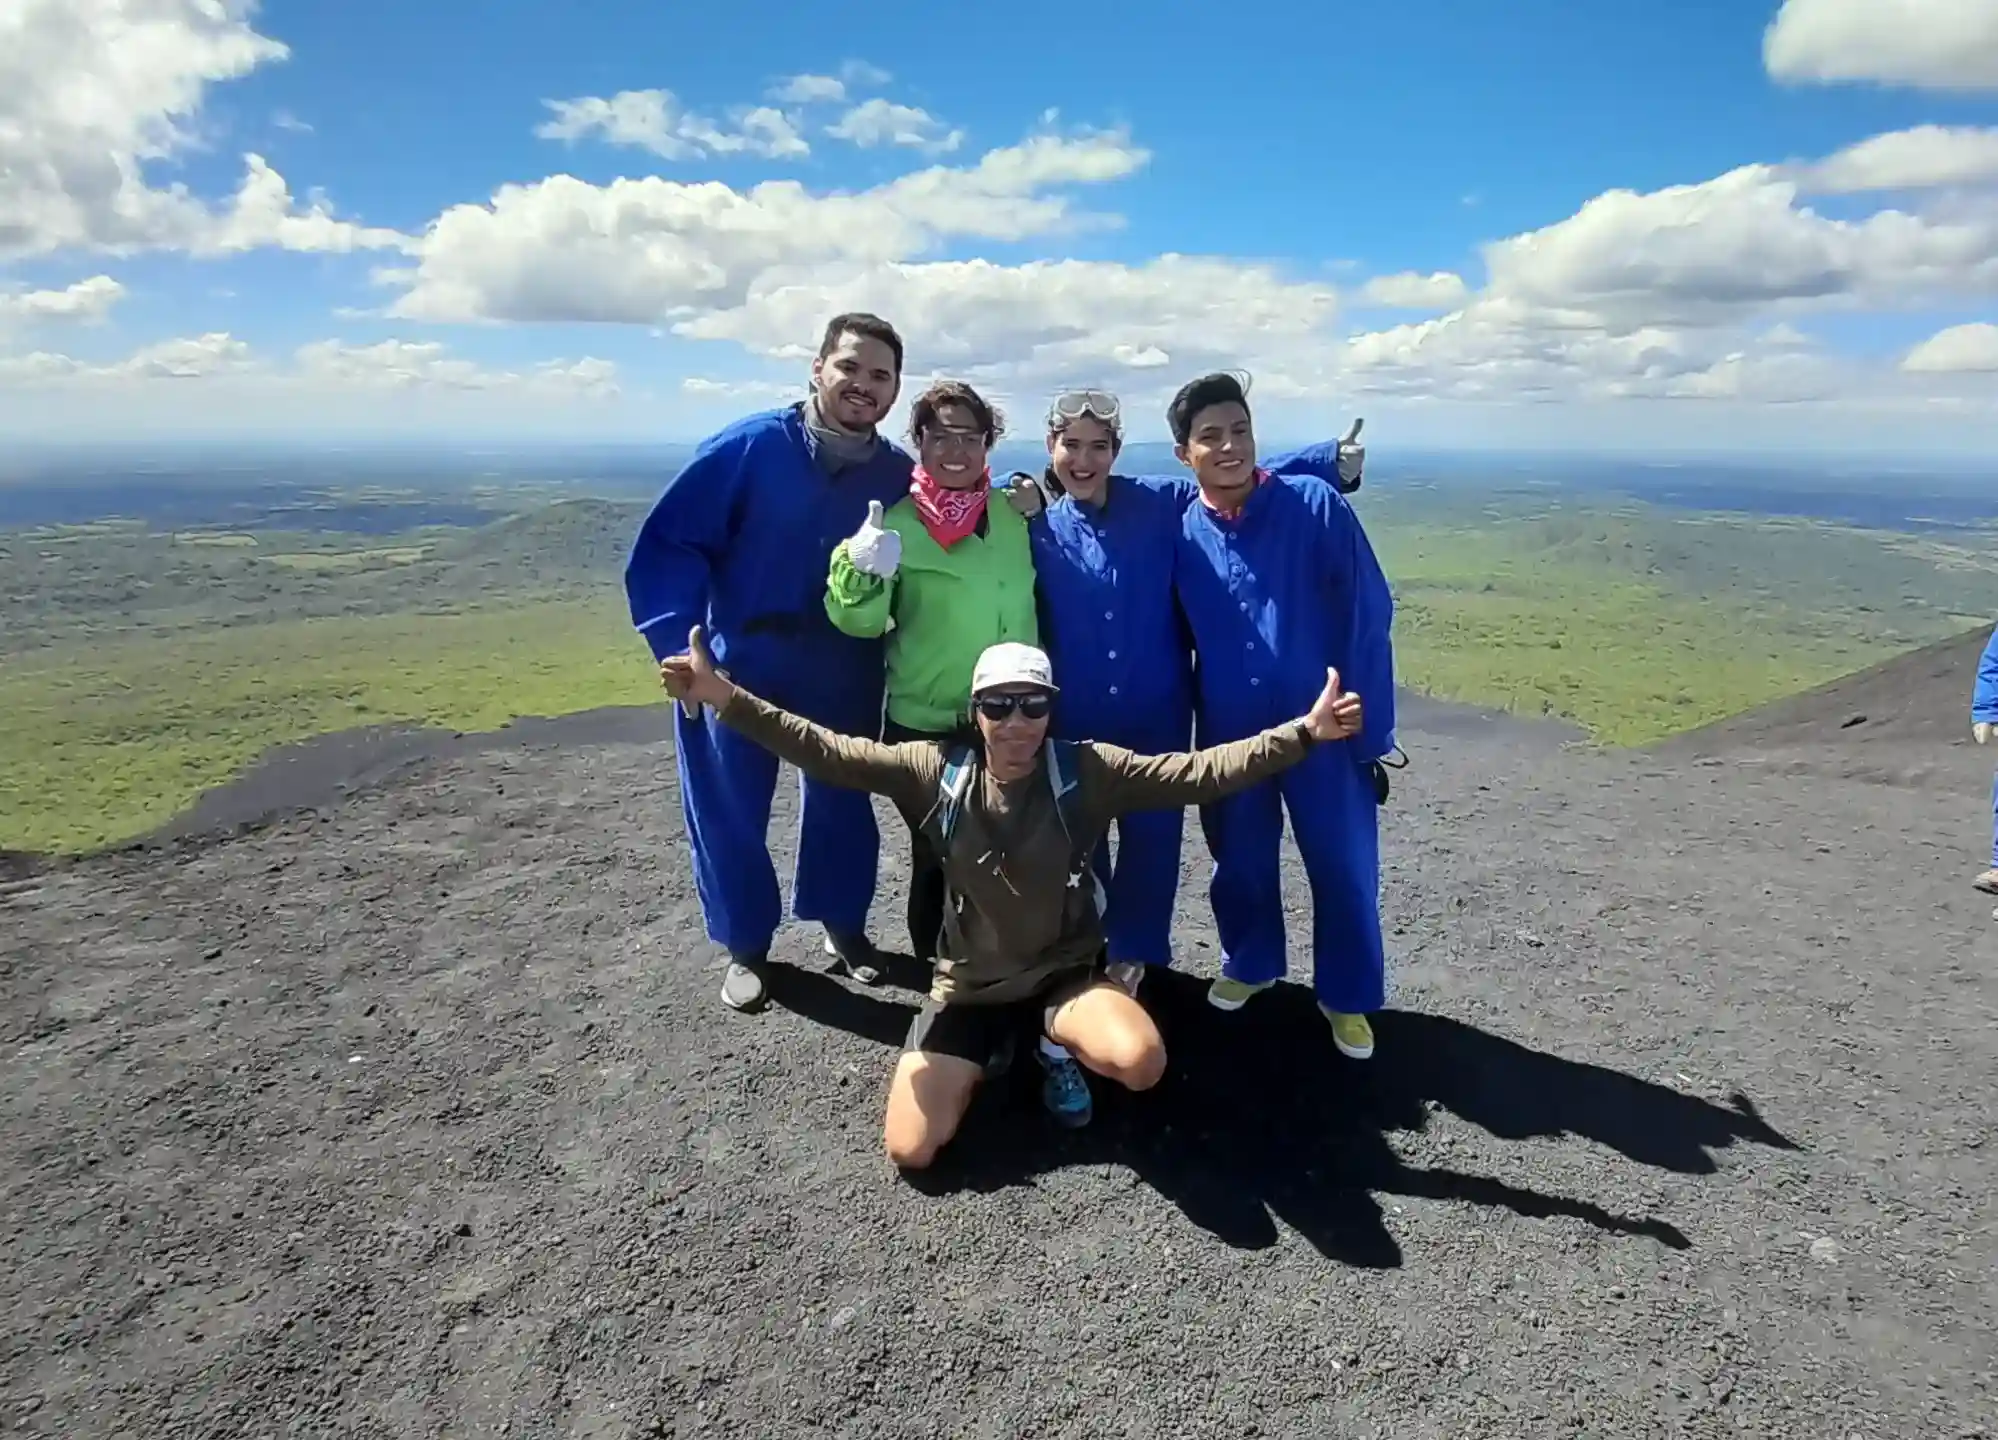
<point>1074,404</point>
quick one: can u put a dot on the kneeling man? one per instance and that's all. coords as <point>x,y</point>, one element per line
<point>1015,819</point>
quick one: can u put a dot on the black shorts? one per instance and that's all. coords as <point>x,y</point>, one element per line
<point>977,1032</point>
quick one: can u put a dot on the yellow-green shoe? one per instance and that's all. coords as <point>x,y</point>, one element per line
<point>1226,994</point>
<point>1352,1034</point>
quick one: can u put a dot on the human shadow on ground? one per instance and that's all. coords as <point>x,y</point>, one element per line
<point>1259,1119</point>
<point>821,996</point>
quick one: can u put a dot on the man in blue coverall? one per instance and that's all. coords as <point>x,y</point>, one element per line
<point>739,543</point>
<point>1279,583</point>
<point>1984,728</point>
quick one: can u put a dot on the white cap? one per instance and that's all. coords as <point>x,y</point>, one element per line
<point>1012,663</point>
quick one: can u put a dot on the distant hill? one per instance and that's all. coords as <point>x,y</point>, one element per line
<point>569,537</point>
<point>1916,700</point>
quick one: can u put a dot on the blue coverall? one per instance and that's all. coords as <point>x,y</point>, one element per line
<point>1984,708</point>
<point>1120,651</point>
<point>1274,596</point>
<point>739,541</point>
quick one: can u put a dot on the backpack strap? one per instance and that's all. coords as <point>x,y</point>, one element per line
<point>952,786</point>
<point>1064,780</point>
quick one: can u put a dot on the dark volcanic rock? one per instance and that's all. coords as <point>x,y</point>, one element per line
<point>420,1117</point>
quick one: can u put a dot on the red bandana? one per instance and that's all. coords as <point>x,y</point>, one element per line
<point>949,515</point>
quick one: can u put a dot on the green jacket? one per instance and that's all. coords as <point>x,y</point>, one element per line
<point>939,610</point>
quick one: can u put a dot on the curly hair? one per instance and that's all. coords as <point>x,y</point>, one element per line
<point>923,410</point>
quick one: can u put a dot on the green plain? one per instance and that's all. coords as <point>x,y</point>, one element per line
<point>138,670</point>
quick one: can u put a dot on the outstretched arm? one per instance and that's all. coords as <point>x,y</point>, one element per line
<point>1162,782</point>
<point>905,774</point>
<point>1167,782</point>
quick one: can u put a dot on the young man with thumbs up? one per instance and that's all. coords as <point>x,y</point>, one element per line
<point>1984,729</point>
<point>738,542</point>
<point>1278,581</point>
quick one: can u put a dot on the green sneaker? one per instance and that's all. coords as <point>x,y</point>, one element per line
<point>1226,994</point>
<point>1351,1033</point>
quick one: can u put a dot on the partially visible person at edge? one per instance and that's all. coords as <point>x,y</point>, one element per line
<point>1104,552</point>
<point>943,573</point>
<point>1015,819</point>
<point>1984,729</point>
<point>1278,582</point>
<point>738,543</point>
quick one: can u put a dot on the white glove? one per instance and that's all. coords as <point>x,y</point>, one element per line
<point>1982,731</point>
<point>873,550</point>
<point>1352,455</point>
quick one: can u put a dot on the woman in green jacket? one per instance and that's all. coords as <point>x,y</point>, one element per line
<point>943,574</point>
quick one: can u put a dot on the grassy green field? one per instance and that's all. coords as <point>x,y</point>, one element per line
<point>107,741</point>
<point>140,669</point>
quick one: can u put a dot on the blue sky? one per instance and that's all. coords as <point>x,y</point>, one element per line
<point>1392,210</point>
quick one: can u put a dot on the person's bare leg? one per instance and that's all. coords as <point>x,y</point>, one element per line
<point>1110,1033</point>
<point>926,1103</point>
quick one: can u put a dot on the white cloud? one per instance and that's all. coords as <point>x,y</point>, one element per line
<point>1961,349</point>
<point>643,250</point>
<point>93,91</point>
<point>808,90</point>
<point>87,300</point>
<point>1926,44</point>
<point>1036,326</point>
<point>654,120</point>
<point>757,390</point>
<point>1925,157</point>
<point>195,358</point>
<point>1442,290</point>
<point>324,366</point>
<point>406,365</point>
<point>878,122</point>
<point>863,75</point>
<point>1714,252</point>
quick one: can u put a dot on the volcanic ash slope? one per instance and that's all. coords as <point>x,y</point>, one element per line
<point>420,1117</point>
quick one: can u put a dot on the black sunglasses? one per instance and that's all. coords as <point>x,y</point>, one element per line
<point>1034,706</point>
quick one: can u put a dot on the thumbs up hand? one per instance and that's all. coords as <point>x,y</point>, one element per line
<point>692,678</point>
<point>1352,459</point>
<point>1337,715</point>
<point>873,549</point>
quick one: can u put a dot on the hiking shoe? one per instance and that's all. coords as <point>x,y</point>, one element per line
<point>742,982</point>
<point>1351,1033</point>
<point>1988,881</point>
<point>1065,1090</point>
<point>857,957</point>
<point>1226,994</point>
<point>1127,975</point>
